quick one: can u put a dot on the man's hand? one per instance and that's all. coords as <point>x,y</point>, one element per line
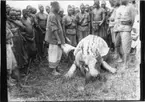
<point>10,19</point>
<point>59,42</point>
<point>68,40</point>
<point>100,24</point>
<point>108,31</point>
<point>134,38</point>
<point>44,32</point>
<point>37,25</point>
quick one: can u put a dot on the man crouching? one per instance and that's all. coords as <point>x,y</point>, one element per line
<point>89,55</point>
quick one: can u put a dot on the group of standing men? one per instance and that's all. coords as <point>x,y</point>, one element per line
<point>25,37</point>
<point>29,34</point>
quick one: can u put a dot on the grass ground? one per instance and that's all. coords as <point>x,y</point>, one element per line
<point>42,86</point>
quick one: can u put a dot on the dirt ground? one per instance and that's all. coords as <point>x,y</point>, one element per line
<point>42,86</point>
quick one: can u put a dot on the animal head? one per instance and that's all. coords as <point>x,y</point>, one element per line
<point>91,67</point>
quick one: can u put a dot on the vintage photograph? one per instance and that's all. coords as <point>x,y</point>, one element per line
<point>73,50</point>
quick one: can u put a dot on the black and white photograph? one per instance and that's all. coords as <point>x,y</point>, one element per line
<point>63,50</point>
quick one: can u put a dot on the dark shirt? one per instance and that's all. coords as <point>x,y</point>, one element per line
<point>54,24</point>
<point>70,24</point>
<point>83,21</point>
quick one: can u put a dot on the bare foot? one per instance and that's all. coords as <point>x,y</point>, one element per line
<point>113,70</point>
<point>11,82</point>
<point>119,60</point>
<point>115,56</point>
<point>122,69</point>
<point>55,73</point>
<point>68,75</point>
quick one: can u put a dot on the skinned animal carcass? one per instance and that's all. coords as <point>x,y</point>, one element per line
<point>67,48</point>
<point>88,56</point>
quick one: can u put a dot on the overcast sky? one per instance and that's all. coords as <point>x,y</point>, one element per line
<point>63,3</point>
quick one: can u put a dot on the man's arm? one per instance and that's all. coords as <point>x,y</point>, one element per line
<point>92,18</point>
<point>89,20</point>
<point>77,19</point>
<point>47,25</point>
<point>18,24</point>
<point>36,19</point>
<point>9,34</point>
<point>79,47</point>
<point>64,22</point>
<point>54,27</point>
<point>64,29</point>
<point>104,16</point>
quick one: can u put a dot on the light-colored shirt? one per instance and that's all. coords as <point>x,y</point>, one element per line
<point>124,14</point>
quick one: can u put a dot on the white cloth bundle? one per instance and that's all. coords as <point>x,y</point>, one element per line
<point>67,48</point>
<point>11,61</point>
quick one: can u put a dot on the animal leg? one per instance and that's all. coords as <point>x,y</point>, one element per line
<point>108,67</point>
<point>71,71</point>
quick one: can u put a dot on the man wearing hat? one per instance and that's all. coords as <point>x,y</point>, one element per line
<point>61,12</point>
<point>73,7</point>
<point>83,22</point>
<point>77,10</point>
<point>18,16</point>
<point>87,8</point>
<point>8,8</point>
<point>54,36</point>
<point>61,15</point>
<point>47,9</point>
<point>70,26</point>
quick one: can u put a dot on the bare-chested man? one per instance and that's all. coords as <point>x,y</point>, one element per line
<point>41,25</point>
<point>29,35</point>
<point>98,18</point>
